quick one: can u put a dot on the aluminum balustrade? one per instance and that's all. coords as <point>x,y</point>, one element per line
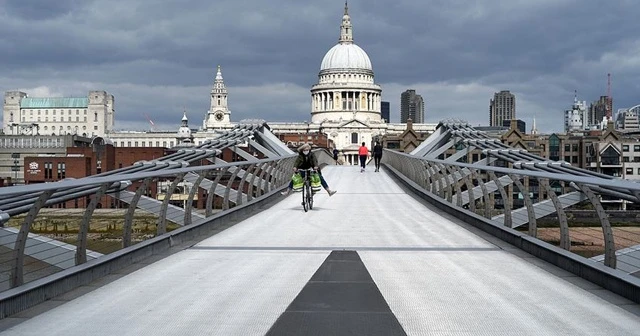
<point>56,226</point>
<point>477,188</point>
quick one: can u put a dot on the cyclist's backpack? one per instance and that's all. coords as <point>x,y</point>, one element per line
<point>315,182</point>
<point>297,182</point>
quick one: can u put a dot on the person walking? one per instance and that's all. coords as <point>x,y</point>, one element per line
<point>335,155</point>
<point>377,155</point>
<point>363,152</point>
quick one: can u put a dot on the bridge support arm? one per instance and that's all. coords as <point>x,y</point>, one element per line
<point>533,230</point>
<point>128,217</point>
<point>506,200</point>
<point>565,239</point>
<point>607,231</point>
<point>17,274</point>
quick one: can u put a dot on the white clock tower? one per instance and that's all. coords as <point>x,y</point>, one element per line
<point>218,114</point>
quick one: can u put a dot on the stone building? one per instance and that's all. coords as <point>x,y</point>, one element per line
<point>88,116</point>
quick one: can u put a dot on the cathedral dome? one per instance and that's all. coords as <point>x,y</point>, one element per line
<point>346,56</point>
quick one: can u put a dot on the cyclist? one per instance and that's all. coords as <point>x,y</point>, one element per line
<point>307,160</point>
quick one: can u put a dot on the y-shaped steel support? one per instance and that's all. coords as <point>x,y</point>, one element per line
<point>81,250</point>
<point>527,202</point>
<point>17,274</point>
<point>505,199</point>
<point>485,195</point>
<point>453,171</point>
<point>469,183</point>
<point>565,239</point>
<point>128,217</point>
<point>212,191</point>
<point>188,208</point>
<point>162,217</point>
<point>607,231</point>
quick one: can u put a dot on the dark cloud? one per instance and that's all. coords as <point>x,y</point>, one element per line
<point>160,58</point>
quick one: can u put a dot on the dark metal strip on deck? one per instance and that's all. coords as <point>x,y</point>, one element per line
<point>339,299</point>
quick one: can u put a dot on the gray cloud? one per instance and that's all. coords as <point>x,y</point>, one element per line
<point>160,58</point>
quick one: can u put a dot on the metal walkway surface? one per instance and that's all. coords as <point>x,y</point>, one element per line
<point>437,276</point>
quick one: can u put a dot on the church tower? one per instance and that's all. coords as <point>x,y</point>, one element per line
<point>184,137</point>
<point>218,113</point>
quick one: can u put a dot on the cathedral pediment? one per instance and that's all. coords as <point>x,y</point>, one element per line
<point>355,123</point>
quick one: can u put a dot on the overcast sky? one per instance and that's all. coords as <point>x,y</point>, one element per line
<point>159,57</point>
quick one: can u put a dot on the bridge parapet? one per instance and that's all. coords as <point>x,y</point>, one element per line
<point>65,225</point>
<point>515,188</point>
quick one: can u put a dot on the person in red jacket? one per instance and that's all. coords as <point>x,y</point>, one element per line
<point>363,152</point>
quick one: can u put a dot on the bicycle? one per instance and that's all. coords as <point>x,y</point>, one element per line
<point>307,191</point>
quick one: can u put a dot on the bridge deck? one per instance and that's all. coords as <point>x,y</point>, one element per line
<point>437,277</point>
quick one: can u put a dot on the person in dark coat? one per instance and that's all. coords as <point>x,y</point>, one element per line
<point>377,155</point>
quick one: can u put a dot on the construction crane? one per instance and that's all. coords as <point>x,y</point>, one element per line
<point>609,104</point>
<point>153,126</point>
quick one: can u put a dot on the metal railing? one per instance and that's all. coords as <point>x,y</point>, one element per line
<point>489,191</point>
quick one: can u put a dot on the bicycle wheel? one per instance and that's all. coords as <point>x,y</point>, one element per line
<point>304,196</point>
<point>310,197</point>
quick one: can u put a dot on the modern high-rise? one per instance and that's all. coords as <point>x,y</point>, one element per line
<point>385,110</point>
<point>411,107</point>
<point>600,110</point>
<point>502,107</point>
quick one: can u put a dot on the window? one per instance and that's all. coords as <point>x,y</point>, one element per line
<point>629,171</point>
<point>354,138</point>
<point>95,116</point>
<point>62,170</point>
<point>625,159</point>
<point>135,144</point>
<point>143,144</point>
<point>636,148</point>
<point>567,147</point>
<point>610,157</point>
<point>554,147</point>
<point>48,170</point>
<point>95,128</point>
<point>625,148</point>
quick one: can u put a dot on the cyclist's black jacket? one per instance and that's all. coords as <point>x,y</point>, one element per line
<point>306,161</point>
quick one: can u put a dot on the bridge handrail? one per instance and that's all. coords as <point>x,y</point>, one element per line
<point>462,184</point>
<point>613,183</point>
